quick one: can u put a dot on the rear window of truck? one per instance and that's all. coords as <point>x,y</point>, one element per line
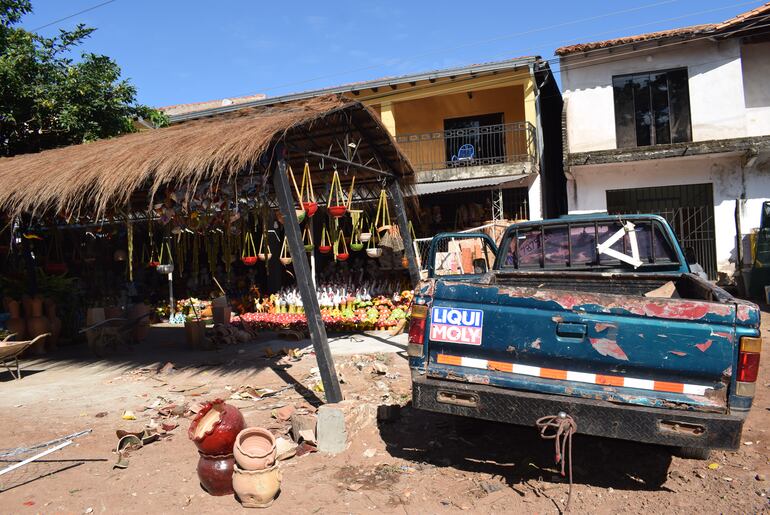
<point>578,246</point>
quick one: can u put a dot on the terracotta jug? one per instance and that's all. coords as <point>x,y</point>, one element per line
<point>15,324</point>
<point>215,427</point>
<point>55,321</point>
<point>215,473</point>
<point>37,324</point>
<point>257,488</point>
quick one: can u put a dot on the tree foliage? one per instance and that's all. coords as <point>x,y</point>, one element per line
<point>48,99</point>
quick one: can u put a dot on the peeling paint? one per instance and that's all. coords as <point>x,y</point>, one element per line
<point>677,353</point>
<point>536,344</point>
<point>601,326</point>
<point>703,347</point>
<point>607,347</point>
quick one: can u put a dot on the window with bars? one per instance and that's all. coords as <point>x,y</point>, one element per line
<point>652,108</point>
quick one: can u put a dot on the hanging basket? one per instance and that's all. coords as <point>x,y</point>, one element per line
<point>337,206</point>
<point>325,246</point>
<point>161,267</point>
<point>341,248</point>
<point>249,252</point>
<point>307,238</point>
<point>356,245</point>
<point>372,250</point>
<point>306,195</point>
<point>382,212</point>
<point>264,250</point>
<point>365,236</point>
<point>285,257</point>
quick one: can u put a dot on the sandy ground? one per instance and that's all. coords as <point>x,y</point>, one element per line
<point>420,463</point>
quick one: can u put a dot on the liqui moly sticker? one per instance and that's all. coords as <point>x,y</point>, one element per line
<point>456,325</point>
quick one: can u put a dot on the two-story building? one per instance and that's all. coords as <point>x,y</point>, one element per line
<point>485,140</point>
<point>675,123</point>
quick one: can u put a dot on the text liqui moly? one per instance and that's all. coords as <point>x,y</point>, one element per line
<point>456,325</point>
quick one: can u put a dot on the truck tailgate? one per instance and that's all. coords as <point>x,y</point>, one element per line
<point>672,353</point>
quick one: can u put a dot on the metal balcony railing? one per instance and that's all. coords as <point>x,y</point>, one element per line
<point>472,146</point>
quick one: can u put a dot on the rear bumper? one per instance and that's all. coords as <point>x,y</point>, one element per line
<point>593,417</point>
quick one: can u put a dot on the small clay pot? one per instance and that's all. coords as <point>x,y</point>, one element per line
<point>254,449</point>
<point>214,428</point>
<point>374,253</point>
<point>324,249</point>
<point>249,260</point>
<point>343,256</point>
<point>310,208</point>
<point>365,236</point>
<point>337,211</point>
<point>257,488</point>
<point>215,473</point>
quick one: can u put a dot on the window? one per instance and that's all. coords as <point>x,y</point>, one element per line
<point>575,246</point>
<point>652,108</point>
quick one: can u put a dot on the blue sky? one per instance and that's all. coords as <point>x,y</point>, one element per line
<point>179,51</point>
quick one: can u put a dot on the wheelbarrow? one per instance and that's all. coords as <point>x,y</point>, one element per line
<point>112,333</point>
<point>10,352</point>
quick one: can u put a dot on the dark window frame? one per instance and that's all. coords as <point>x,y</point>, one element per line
<point>652,108</point>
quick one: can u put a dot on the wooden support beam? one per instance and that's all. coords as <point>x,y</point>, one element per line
<point>305,284</point>
<point>350,163</point>
<point>403,224</point>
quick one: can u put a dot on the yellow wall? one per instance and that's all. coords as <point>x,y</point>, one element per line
<point>428,114</point>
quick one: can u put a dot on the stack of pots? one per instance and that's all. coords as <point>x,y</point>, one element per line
<point>214,431</point>
<point>256,479</point>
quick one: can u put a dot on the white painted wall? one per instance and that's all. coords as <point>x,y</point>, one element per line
<point>755,59</point>
<point>534,198</point>
<point>587,187</point>
<point>715,81</point>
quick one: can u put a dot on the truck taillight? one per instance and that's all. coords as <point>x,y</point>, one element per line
<point>417,330</point>
<point>748,365</point>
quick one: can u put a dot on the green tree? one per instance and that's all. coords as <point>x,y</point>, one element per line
<point>48,99</point>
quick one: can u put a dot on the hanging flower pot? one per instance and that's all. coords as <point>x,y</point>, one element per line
<point>305,195</point>
<point>307,238</point>
<point>355,242</point>
<point>325,246</point>
<point>300,215</point>
<point>337,211</point>
<point>337,206</point>
<point>264,250</point>
<point>365,237</point>
<point>372,250</point>
<point>165,267</point>
<point>285,257</point>
<point>249,252</point>
<point>341,248</point>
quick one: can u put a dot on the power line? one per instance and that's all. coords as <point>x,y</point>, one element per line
<point>73,15</point>
<point>554,60</point>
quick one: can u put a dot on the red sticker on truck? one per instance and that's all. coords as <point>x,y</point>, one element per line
<point>456,325</point>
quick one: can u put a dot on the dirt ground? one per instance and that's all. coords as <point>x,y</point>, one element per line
<point>419,463</point>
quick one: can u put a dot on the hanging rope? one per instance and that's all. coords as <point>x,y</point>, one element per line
<point>560,429</point>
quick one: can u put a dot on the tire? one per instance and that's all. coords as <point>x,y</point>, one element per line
<point>694,453</point>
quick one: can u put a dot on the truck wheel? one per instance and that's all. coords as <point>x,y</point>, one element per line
<point>694,453</point>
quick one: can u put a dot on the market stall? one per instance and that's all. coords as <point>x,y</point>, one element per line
<point>243,204</point>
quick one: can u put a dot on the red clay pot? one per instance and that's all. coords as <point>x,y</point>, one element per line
<point>343,256</point>
<point>249,260</point>
<point>310,208</point>
<point>337,211</point>
<point>215,473</point>
<point>214,428</point>
<point>324,249</point>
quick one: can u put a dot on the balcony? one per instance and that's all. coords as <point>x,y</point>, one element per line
<point>485,145</point>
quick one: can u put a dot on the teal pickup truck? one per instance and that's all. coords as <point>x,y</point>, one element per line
<point>597,317</point>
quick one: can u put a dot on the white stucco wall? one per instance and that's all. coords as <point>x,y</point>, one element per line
<point>715,82</point>
<point>755,60</point>
<point>587,190</point>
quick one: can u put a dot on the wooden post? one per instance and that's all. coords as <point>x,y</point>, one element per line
<point>403,224</point>
<point>305,284</point>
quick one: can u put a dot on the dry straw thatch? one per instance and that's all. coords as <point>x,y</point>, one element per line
<point>95,177</point>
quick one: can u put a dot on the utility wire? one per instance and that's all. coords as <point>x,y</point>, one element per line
<point>347,72</point>
<point>73,15</point>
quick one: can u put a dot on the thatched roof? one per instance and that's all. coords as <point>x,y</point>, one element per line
<point>92,178</point>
